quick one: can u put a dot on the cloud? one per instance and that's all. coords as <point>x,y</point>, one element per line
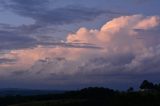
<point>148,23</point>
<point>12,40</point>
<point>46,20</point>
<point>7,61</point>
<point>71,45</point>
<point>122,56</point>
<point>45,15</point>
<point>120,32</point>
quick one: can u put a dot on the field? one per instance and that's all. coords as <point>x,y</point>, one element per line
<point>87,97</point>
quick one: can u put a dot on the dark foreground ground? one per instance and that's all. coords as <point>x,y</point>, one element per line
<point>86,97</point>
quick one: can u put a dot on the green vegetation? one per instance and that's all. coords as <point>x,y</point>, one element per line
<point>149,95</point>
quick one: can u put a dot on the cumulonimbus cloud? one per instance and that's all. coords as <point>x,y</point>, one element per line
<point>122,52</point>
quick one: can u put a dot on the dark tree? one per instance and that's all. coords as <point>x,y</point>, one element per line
<point>130,89</point>
<point>147,85</point>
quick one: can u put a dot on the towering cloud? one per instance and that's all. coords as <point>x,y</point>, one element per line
<point>127,47</point>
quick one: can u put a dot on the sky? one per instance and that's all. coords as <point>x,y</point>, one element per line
<point>72,44</point>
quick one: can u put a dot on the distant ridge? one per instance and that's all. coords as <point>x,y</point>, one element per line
<point>26,92</point>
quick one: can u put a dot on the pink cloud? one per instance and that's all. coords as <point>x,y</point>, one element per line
<point>118,38</point>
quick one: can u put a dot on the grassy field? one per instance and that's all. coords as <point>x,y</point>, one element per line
<point>90,99</point>
<point>67,102</point>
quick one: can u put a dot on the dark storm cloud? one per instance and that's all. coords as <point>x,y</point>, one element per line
<point>111,76</point>
<point>98,72</point>
<point>11,40</point>
<point>114,59</point>
<point>67,15</point>
<point>42,14</point>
